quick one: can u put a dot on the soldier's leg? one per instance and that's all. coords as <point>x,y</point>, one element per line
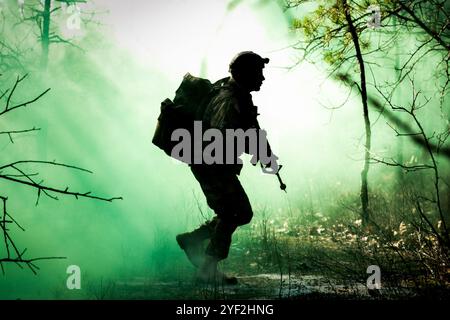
<point>225,195</point>
<point>220,242</point>
<point>193,242</point>
<point>217,250</point>
<point>236,211</point>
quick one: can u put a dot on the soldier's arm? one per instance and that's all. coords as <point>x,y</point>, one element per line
<point>226,115</point>
<point>271,160</point>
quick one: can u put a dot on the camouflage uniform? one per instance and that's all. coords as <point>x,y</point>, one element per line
<point>231,108</point>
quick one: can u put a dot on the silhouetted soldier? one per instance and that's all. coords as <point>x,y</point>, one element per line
<point>231,108</point>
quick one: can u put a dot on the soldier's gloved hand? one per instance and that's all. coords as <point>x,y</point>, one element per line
<point>272,165</point>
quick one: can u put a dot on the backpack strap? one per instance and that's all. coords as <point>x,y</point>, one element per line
<point>216,86</point>
<point>221,82</point>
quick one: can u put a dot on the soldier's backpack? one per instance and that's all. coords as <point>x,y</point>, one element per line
<point>191,99</point>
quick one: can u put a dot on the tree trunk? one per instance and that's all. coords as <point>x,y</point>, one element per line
<point>365,213</point>
<point>398,95</point>
<point>45,33</point>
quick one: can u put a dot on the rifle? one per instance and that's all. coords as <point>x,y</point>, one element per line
<point>282,184</point>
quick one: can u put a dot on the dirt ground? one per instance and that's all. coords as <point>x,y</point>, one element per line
<point>260,286</point>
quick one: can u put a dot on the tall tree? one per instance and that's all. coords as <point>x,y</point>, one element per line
<point>363,88</point>
<point>337,31</point>
<point>45,35</point>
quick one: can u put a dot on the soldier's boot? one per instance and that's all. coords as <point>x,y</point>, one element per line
<point>192,246</point>
<point>193,242</point>
<point>209,273</point>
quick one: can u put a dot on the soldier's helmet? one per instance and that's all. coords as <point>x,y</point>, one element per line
<point>247,60</point>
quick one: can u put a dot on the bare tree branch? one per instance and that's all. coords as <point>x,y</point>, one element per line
<point>420,23</point>
<point>405,127</point>
<point>20,176</point>
<point>23,104</point>
<point>11,132</point>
